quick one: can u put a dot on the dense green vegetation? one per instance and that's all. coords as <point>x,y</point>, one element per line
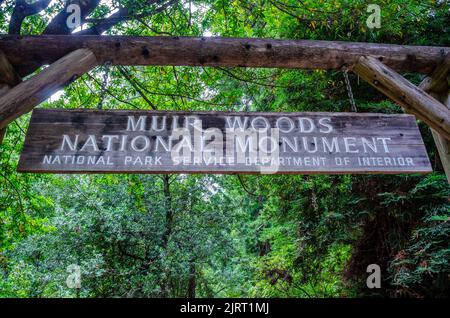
<point>229,236</point>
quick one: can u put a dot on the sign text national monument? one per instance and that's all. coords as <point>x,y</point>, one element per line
<point>95,141</point>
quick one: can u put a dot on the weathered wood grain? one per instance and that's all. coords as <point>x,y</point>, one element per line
<point>26,53</point>
<point>406,94</point>
<point>28,94</point>
<point>44,142</point>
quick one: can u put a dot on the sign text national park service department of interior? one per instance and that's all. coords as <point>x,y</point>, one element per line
<point>119,141</point>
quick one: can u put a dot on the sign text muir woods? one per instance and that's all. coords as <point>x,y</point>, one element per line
<point>94,141</point>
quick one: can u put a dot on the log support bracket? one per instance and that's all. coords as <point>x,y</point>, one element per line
<point>28,94</point>
<point>413,99</point>
<point>429,102</point>
<point>438,85</point>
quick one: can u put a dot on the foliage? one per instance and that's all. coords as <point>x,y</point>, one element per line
<point>422,267</point>
<point>228,236</point>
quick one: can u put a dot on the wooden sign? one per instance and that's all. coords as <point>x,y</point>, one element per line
<point>95,141</point>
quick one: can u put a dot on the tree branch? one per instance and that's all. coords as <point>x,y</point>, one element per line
<point>59,23</point>
<point>123,14</point>
<point>123,251</point>
<point>245,188</point>
<point>21,10</point>
<point>105,24</point>
<point>135,86</point>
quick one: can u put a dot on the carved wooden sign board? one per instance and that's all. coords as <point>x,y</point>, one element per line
<point>121,141</point>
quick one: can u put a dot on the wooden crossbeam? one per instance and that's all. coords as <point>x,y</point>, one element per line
<point>437,85</point>
<point>413,99</point>
<point>28,94</point>
<point>26,53</point>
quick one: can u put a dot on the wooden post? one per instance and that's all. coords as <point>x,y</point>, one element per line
<point>410,97</point>
<point>8,79</point>
<point>25,96</point>
<point>437,85</point>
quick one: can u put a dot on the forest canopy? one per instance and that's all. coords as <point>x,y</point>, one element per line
<point>177,235</point>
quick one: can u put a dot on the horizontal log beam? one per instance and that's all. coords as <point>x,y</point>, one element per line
<point>26,53</point>
<point>410,97</point>
<point>28,94</point>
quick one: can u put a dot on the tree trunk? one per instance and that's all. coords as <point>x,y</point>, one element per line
<point>168,227</point>
<point>169,211</point>
<point>192,284</point>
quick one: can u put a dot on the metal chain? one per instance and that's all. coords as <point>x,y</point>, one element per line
<point>106,69</point>
<point>349,90</point>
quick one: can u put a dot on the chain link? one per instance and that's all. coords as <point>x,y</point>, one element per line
<point>103,84</point>
<point>349,90</point>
